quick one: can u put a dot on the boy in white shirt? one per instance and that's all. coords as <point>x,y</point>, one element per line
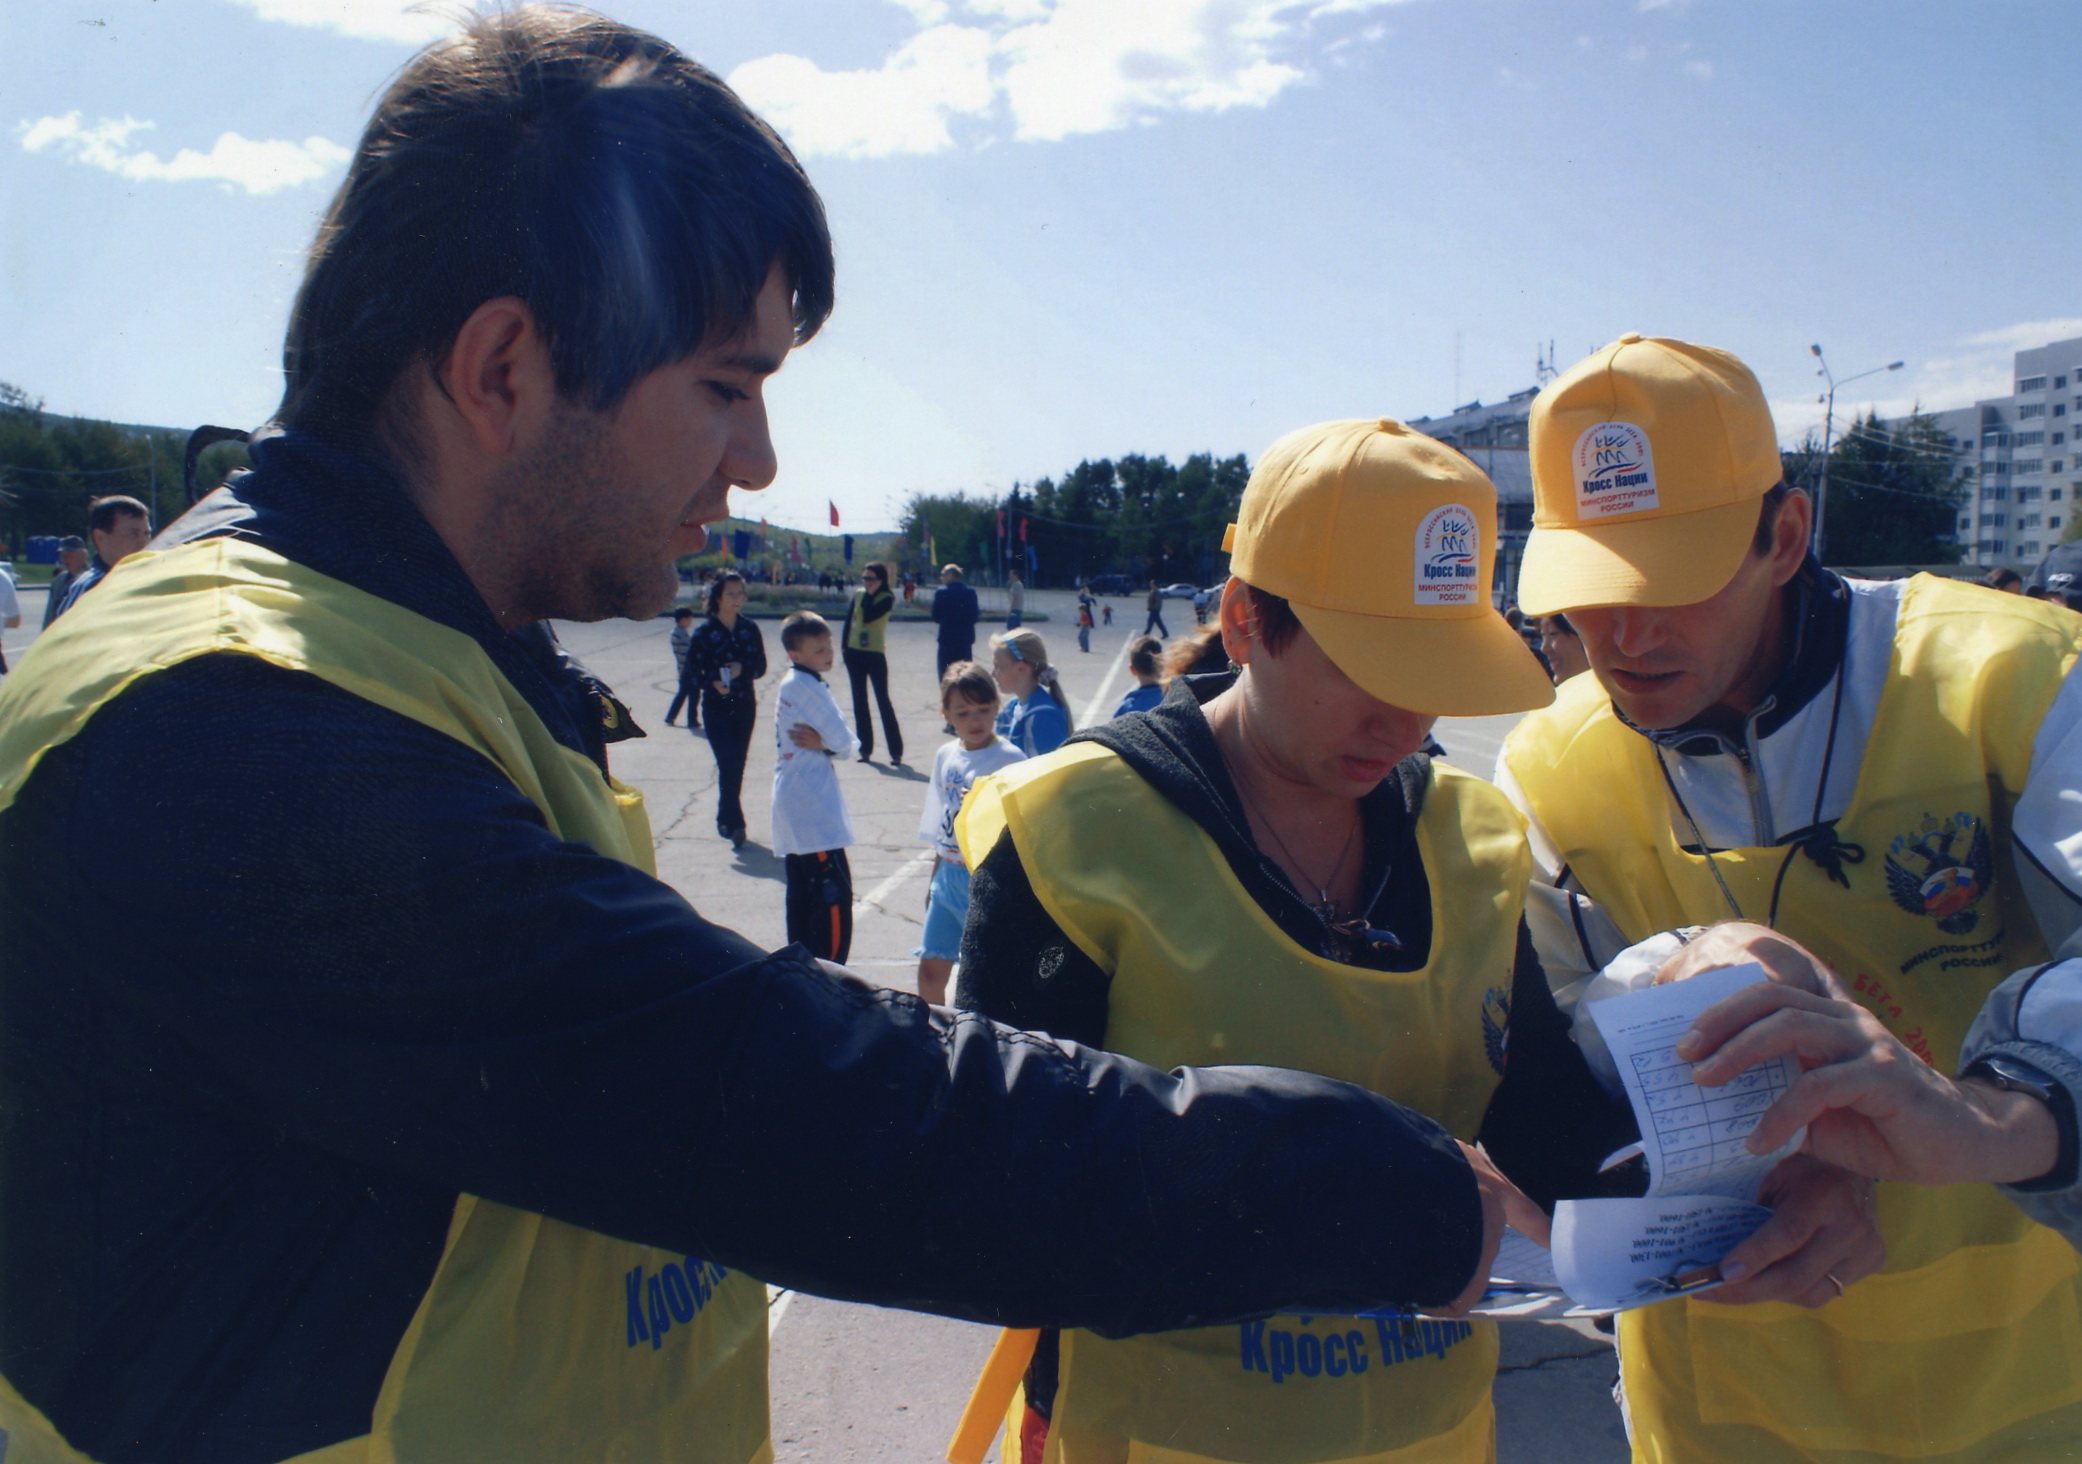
<point>811,830</point>
<point>969,701</point>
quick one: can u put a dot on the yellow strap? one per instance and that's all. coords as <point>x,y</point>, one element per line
<point>992,1395</point>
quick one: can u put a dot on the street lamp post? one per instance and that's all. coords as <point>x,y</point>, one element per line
<point>1828,427</point>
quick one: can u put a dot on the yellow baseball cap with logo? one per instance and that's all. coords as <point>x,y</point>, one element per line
<point>1384,542</point>
<point>1649,459</point>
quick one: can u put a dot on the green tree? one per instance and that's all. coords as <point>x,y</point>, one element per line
<point>1894,492</point>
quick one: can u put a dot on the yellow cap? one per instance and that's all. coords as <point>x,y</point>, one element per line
<point>1648,461</point>
<point>1384,542</point>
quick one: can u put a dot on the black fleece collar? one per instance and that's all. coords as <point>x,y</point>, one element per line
<point>1172,748</point>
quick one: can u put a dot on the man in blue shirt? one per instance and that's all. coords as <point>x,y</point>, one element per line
<point>956,612</point>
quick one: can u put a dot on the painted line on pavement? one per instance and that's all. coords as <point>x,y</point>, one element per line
<point>776,1307</point>
<point>1091,708</point>
<point>881,891</point>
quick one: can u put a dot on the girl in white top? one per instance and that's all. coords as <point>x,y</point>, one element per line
<point>969,700</point>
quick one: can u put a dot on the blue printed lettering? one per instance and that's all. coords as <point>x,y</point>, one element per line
<point>1391,1342</point>
<point>661,1317</point>
<point>1308,1354</point>
<point>1355,1348</point>
<point>1333,1364</point>
<point>639,1330</point>
<point>678,1298</point>
<point>1282,1354</point>
<point>1252,1337</point>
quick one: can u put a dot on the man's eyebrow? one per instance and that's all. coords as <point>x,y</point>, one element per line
<point>753,361</point>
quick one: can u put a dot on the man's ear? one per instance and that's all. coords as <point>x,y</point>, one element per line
<point>1791,532</point>
<point>497,378</point>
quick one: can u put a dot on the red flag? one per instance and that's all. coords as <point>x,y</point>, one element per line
<point>834,513</point>
<point>1001,523</point>
<point>1022,531</point>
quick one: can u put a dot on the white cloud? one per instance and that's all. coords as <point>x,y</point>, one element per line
<point>1700,69</point>
<point>1637,53</point>
<point>902,108</point>
<point>2029,334</point>
<point>256,166</point>
<point>404,22</point>
<point>1059,68</point>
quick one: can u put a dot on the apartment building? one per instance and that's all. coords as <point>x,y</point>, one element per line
<point>2021,451</point>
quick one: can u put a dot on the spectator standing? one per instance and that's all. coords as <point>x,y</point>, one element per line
<point>1562,648</point>
<point>1015,600</point>
<point>1200,606</point>
<point>867,662</point>
<point>725,658</point>
<point>955,611</point>
<point>1038,718</point>
<point>1084,625</point>
<point>119,526</point>
<point>810,829</point>
<point>1106,613</point>
<point>72,563</point>
<point>1145,664</point>
<point>969,701</point>
<point>1155,622</point>
<point>683,695</point>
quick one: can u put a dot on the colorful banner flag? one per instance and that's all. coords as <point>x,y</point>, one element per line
<point>834,512</point>
<point>741,541</point>
<point>849,548</point>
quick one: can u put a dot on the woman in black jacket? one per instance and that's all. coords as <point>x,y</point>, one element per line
<point>726,657</point>
<point>867,661</point>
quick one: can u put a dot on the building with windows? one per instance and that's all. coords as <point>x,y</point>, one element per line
<point>2021,451</point>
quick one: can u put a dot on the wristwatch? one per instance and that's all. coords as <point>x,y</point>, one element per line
<point>2015,1075</point>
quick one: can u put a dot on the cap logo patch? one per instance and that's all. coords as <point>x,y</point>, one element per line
<point>1448,550</point>
<point>1614,471</point>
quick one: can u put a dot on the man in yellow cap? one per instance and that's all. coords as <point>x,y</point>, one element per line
<point>1883,772</point>
<point>1264,866</point>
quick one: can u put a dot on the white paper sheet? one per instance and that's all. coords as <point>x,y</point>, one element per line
<point>1691,1136</point>
<point>1614,1255</point>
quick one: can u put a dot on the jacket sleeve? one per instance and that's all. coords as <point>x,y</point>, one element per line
<point>504,1014</point>
<point>2036,1016</point>
<point>701,665</point>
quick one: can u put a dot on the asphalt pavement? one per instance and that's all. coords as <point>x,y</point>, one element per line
<point>856,1383</point>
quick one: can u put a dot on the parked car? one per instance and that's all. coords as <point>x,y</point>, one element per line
<point>1180,591</point>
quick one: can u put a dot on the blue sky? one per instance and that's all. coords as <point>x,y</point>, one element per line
<point>1073,228</point>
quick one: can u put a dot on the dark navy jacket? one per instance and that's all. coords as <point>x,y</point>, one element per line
<point>956,611</point>
<point>282,972</point>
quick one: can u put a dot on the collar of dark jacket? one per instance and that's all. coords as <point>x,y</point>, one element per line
<point>1173,749</point>
<point>349,518</point>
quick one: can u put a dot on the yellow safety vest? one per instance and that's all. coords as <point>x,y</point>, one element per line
<point>536,1340</point>
<point>1201,975</point>
<point>863,634</point>
<point>1969,1344</point>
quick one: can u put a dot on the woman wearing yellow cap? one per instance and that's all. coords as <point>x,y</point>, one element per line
<point>1264,869</point>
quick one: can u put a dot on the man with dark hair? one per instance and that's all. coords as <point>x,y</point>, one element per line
<point>72,562</point>
<point>1887,773</point>
<point>397,1110</point>
<point>119,526</point>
